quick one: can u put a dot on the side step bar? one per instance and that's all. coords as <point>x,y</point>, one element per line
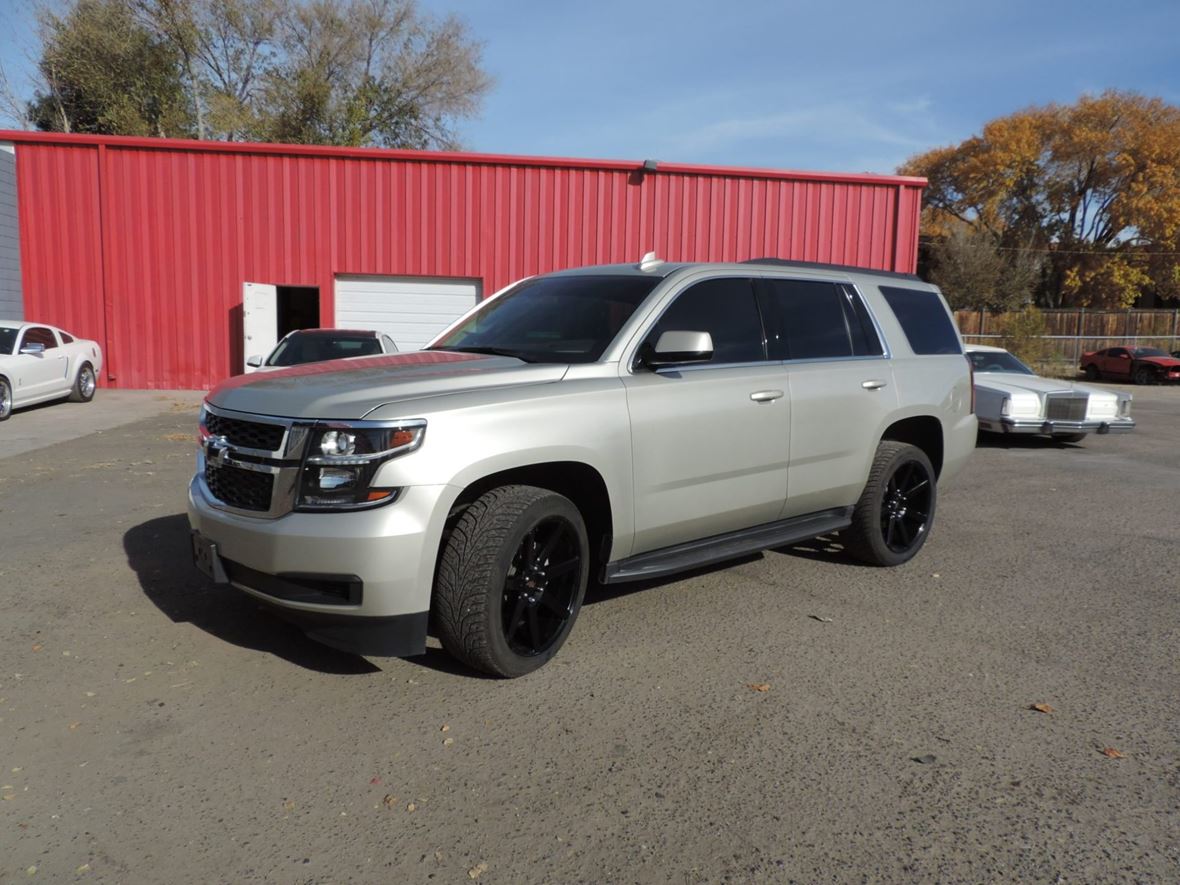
<point>694,554</point>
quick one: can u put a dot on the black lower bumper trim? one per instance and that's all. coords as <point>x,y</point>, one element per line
<point>396,636</point>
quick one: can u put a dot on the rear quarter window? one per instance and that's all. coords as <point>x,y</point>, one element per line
<point>922,317</point>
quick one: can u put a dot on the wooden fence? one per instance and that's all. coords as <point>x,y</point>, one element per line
<point>1070,333</point>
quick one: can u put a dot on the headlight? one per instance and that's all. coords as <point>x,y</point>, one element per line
<point>343,459</point>
<point>1006,407</point>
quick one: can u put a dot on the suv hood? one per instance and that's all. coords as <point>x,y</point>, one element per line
<point>348,389</point>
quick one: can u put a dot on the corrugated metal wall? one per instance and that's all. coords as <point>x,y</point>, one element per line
<point>144,245</point>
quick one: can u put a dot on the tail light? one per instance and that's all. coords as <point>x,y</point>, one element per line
<point>971,381</point>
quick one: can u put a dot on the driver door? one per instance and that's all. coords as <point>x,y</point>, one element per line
<point>709,441</point>
<point>44,373</point>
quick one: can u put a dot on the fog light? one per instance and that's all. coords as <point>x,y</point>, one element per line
<point>336,478</point>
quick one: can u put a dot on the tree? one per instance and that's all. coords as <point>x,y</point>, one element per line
<point>370,71</point>
<point>354,72</point>
<point>1093,186</point>
<point>974,272</point>
<point>105,73</point>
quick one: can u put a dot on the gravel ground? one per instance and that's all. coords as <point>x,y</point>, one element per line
<point>154,728</point>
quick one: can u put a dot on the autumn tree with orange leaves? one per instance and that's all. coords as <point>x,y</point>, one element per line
<point>1089,191</point>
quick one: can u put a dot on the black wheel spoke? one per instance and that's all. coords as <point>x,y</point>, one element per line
<point>889,532</point>
<point>546,549</point>
<point>563,568</point>
<point>534,627</point>
<point>553,603</point>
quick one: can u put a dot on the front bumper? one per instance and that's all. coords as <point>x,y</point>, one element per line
<point>1040,425</point>
<point>358,581</point>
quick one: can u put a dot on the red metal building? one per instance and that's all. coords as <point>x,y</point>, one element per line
<point>150,246</point>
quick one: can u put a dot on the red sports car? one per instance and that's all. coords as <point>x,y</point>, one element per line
<point>1141,365</point>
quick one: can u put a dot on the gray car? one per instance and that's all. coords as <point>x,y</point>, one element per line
<point>612,423</point>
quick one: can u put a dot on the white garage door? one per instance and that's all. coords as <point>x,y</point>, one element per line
<point>410,310</point>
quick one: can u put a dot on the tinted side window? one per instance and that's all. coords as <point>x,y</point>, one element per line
<point>40,335</point>
<point>724,308</point>
<point>923,319</point>
<point>66,338</point>
<point>812,317</point>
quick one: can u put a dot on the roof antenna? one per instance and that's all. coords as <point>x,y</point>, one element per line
<point>649,261</point>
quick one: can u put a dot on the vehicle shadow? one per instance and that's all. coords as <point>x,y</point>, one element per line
<point>987,440</point>
<point>159,554</point>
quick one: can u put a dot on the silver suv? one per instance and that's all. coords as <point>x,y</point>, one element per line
<point>612,423</point>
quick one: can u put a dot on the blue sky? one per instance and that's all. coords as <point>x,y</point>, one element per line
<point>855,86</point>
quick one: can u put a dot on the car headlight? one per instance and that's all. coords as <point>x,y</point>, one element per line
<point>343,458</point>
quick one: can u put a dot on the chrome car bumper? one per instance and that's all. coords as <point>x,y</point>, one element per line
<point>1040,425</point>
<point>356,581</point>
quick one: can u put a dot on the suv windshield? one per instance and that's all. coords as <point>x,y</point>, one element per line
<point>567,319</point>
<point>298,349</point>
<point>7,339</point>
<point>997,361</point>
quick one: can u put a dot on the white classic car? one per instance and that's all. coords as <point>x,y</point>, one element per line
<point>1010,398</point>
<point>40,363</point>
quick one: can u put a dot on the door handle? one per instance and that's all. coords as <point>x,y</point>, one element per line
<point>765,396</point>
<point>873,384</point>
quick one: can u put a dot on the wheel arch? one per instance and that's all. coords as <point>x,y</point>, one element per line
<point>923,431</point>
<point>583,484</point>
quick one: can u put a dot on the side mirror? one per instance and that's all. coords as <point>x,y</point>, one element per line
<point>254,362</point>
<point>679,349</point>
<point>1124,356</point>
<point>33,349</point>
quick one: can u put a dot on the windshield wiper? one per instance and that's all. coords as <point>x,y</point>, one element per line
<point>492,351</point>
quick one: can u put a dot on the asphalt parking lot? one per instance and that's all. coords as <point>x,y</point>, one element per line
<point>154,728</point>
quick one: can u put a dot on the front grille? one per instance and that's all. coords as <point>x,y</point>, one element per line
<point>1066,408</point>
<point>246,434</point>
<point>244,489</point>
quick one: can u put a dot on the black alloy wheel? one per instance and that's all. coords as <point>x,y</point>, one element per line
<point>511,579</point>
<point>541,587</point>
<point>893,517</point>
<point>1143,375</point>
<point>905,507</point>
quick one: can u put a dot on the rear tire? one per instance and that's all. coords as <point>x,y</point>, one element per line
<point>84,385</point>
<point>893,517</point>
<point>1092,373</point>
<point>5,399</point>
<point>511,580</point>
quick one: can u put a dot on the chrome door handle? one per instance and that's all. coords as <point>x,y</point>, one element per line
<point>873,384</point>
<point>765,396</point>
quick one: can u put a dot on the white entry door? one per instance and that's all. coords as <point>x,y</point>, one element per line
<point>260,319</point>
<point>410,310</point>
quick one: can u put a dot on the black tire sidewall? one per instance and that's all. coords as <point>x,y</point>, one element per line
<point>507,660</point>
<point>881,553</point>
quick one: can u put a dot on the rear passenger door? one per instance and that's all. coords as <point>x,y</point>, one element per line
<point>840,383</point>
<point>709,441</point>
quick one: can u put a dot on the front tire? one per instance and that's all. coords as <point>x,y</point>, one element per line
<point>84,385</point>
<point>511,580</point>
<point>893,517</point>
<point>1142,375</point>
<point>1092,373</point>
<point>1069,437</point>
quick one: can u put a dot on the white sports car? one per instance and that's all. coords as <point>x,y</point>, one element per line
<point>40,363</point>
<point>1010,398</point>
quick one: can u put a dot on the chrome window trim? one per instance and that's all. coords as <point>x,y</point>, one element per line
<point>887,353</point>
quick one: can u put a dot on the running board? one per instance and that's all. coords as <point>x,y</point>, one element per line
<point>694,554</point>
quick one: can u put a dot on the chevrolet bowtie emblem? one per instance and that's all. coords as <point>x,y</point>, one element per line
<point>217,450</point>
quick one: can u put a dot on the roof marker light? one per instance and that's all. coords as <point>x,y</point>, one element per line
<point>649,261</point>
